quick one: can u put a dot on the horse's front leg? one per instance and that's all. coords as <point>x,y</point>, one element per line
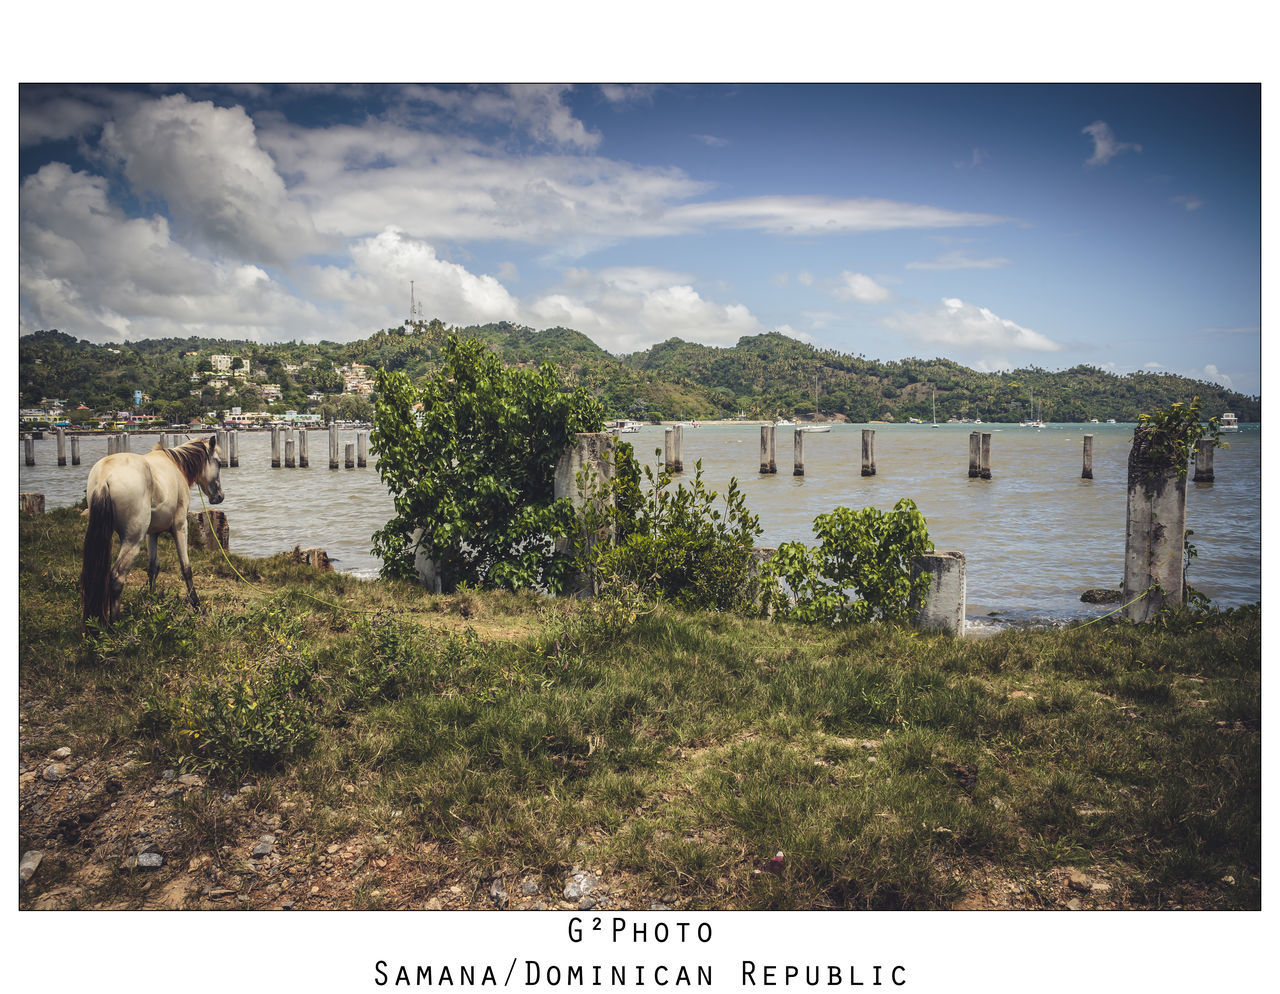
<point>153,561</point>
<point>179,532</point>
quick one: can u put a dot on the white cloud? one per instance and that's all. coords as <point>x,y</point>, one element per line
<point>959,260</point>
<point>218,183</point>
<point>88,269</point>
<point>1211,373</point>
<point>1188,200</point>
<point>1105,144</point>
<point>857,286</point>
<point>535,108</point>
<point>1153,365</point>
<point>800,336</point>
<point>809,215</point>
<point>628,308</point>
<point>629,93</point>
<point>712,140</point>
<point>954,324</point>
<point>804,278</point>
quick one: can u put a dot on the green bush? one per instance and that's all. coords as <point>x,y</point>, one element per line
<point>867,553</point>
<point>677,544</point>
<point>469,459</point>
<point>253,714</point>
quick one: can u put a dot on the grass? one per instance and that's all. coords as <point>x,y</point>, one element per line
<point>405,749</point>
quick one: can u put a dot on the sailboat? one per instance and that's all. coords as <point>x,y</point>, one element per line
<point>1032,423</point>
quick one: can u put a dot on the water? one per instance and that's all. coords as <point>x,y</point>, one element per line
<point>1034,536</point>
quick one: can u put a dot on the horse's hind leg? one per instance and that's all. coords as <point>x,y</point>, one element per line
<point>129,549</point>
<point>153,561</point>
<point>179,532</point>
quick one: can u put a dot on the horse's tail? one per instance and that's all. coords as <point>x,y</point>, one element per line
<point>95,577</point>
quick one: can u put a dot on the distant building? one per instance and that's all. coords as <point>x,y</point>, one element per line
<point>221,363</point>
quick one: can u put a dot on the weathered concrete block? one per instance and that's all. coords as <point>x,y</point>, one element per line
<point>208,530</point>
<point>317,558</point>
<point>942,608</point>
<point>1155,529</point>
<point>31,503</point>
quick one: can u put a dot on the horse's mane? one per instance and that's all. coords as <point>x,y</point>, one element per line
<point>191,457</point>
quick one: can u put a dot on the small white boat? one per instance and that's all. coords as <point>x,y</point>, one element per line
<point>814,429</point>
<point>626,427</point>
<point>1111,421</point>
<point>783,423</point>
<point>1228,422</point>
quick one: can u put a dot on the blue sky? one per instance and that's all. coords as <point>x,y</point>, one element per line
<point>997,225</point>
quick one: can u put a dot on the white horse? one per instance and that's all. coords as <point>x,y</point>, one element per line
<point>142,495</point>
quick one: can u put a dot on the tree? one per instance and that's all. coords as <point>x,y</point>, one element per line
<point>469,459</point>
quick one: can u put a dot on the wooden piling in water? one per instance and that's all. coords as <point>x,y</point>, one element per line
<point>75,450</point>
<point>1087,472</point>
<point>275,446</point>
<point>303,461</point>
<point>677,437</point>
<point>1155,530</point>
<point>233,447</point>
<point>28,450</point>
<point>669,450</point>
<point>333,445</point>
<point>799,451</point>
<point>975,455</point>
<point>362,450</point>
<point>768,438</point>
<point>1204,461</point>
<point>62,446</point>
<point>985,469</point>
<point>351,455</point>
<point>868,452</point>
<point>289,445</point>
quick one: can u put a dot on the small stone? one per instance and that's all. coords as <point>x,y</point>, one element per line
<point>1229,880</point>
<point>28,865</point>
<point>658,906</point>
<point>54,772</point>
<point>333,848</point>
<point>997,803</point>
<point>350,788</point>
<point>498,893</point>
<point>315,890</point>
<point>286,904</point>
<point>529,887</point>
<point>150,861</point>
<point>168,775</point>
<point>1078,881</point>
<point>580,885</point>
<point>265,844</point>
<point>1101,887</point>
<point>190,780</point>
<point>669,897</point>
<point>1074,904</point>
<point>586,903</point>
<point>63,753</point>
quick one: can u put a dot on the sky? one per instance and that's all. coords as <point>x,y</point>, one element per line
<point>1005,225</point>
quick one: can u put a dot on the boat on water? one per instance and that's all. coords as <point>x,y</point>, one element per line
<point>626,427</point>
<point>814,429</point>
<point>1228,422</point>
<point>1032,422</point>
<point>783,423</point>
<point>1111,421</point>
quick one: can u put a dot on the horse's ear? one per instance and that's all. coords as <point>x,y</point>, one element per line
<point>213,444</point>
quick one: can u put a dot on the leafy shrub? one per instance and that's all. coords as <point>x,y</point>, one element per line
<point>677,544</point>
<point>866,552</point>
<point>469,458</point>
<point>1166,439</point>
<point>253,714</point>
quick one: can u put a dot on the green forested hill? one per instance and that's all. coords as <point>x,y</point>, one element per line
<point>761,377</point>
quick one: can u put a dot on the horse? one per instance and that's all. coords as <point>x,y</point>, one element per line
<point>142,495</point>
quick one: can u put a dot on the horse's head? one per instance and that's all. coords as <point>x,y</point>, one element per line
<point>208,479</point>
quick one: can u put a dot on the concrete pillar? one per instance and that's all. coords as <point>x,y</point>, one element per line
<point>208,529</point>
<point>288,451</point>
<point>28,450</point>
<point>75,450</point>
<point>584,475</point>
<point>868,452</point>
<point>1204,461</point>
<point>428,569</point>
<point>233,447</point>
<point>799,450</point>
<point>62,446</point>
<point>31,503</point>
<point>1155,529</point>
<point>669,450</point>
<point>768,437</point>
<point>124,442</point>
<point>975,455</point>
<point>677,439</point>
<point>333,445</point>
<point>350,453</point>
<point>985,470</point>
<point>942,608</point>
<point>362,449</point>
<point>275,446</point>
<point>113,444</point>
<point>303,461</point>
<point>1087,472</point>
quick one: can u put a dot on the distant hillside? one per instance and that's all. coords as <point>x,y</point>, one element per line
<point>761,377</point>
